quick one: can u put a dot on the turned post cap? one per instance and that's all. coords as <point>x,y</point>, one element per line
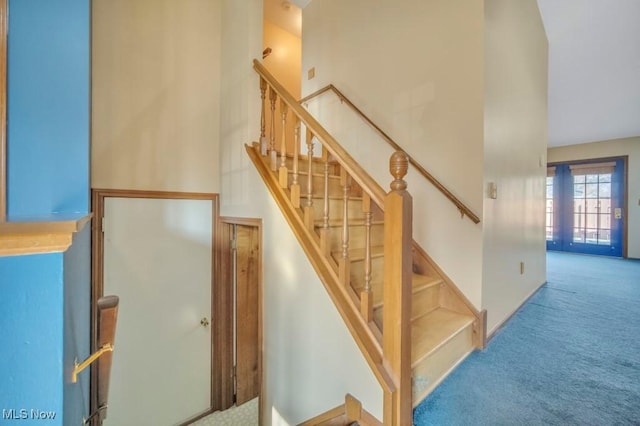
<point>398,167</point>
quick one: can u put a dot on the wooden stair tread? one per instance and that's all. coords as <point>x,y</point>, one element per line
<point>337,223</point>
<point>429,332</point>
<point>357,254</point>
<point>421,282</point>
<point>336,197</point>
<point>418,283</point>
<point>320,175</point>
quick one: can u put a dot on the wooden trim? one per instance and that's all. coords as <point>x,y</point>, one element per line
<point>197,417</point>
<point>98,196</point>
<point>169,195</point>
<point>464,210</point>
<point>397,294</point>
<point>350,313</point>
<point>344,414</point>
<point>223,324</point>
<point>625,207</point>
<point>37,237</point>
<point>4,21</point>
<point>256,223</point>
<point>335,414</point>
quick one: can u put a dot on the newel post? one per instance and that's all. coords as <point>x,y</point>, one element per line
<point>396,336</point>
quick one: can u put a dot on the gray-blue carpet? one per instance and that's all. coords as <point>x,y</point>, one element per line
<point>570,356</point>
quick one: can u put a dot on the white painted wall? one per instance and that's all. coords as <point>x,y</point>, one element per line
<point>416,68</point>
<point>156,91</point>
<point>612,148</point>
<point>310,359</point>
<point>515,142</point>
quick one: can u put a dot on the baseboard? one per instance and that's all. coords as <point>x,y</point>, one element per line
<point>498,327</point>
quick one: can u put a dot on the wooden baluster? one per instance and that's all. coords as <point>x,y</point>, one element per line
<point>273,96</point>
<point>366,296</point>
<point>308,209</point>
<point>283,177</point>
<point>325,212</point>
<point>263,118</point>
<point>344,262</point>
<point>324,231</point>
<point>295,186</point>
<point>396,329</point>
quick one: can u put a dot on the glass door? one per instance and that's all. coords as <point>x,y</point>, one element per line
<point>584,207</point>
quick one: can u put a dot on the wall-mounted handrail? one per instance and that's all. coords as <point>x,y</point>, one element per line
<point>464,210</point>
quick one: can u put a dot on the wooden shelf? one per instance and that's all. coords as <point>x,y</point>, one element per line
<point>37,235</point>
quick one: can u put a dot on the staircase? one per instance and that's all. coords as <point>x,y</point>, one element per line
<point>339,215</point>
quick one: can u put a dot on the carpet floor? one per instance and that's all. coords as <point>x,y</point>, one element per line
<point>243,415</point>
<point>570,356</point>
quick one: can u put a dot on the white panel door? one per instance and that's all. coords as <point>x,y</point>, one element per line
<point>157,259</point>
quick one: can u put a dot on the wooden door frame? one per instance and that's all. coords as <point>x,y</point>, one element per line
<point>97,273</point>
<point>226,301</point>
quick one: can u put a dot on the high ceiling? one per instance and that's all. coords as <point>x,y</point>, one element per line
<point>285,14</point>
<point>594,68</point>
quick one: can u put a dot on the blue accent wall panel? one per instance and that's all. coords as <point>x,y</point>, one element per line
<point>31,330</point>
<point>77,298</point>
<point>45,299</point>
<point>48,107</point>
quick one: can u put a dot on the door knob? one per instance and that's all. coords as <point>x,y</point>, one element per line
<point>204,322</point>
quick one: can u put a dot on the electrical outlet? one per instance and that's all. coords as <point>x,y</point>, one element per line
<point>311,73</point>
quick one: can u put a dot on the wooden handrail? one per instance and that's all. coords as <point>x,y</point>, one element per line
<point>464,210</point>
<point>391,363</point>
<point>328,142</point>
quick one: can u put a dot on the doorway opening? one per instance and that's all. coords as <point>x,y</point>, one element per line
<point>154,249</point>
<point>586,207</point>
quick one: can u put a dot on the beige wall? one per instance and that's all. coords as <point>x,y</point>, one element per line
<point>156,80</point>
<point>284,63</point>
<point>612,148</point>
<point>305,374</point>
<point>514,152</point>
<point>415,67</point>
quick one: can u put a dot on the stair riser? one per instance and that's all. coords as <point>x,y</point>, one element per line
<point>356,236</point>
<point>357,274</point>
<point>335,209</point>
<point>317,165</point>
<point>425,300</point>
<point>434,368</point>
<point>335,189</point>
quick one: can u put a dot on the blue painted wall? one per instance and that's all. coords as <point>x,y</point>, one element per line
<point>77,320</point>
<point>48,106</point>
<point>31,335</point>
<point>45,299</point>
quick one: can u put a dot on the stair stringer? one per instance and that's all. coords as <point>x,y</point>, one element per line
<point>360,331</point>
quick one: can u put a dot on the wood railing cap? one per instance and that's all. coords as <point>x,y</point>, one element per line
<point>398,167</point>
